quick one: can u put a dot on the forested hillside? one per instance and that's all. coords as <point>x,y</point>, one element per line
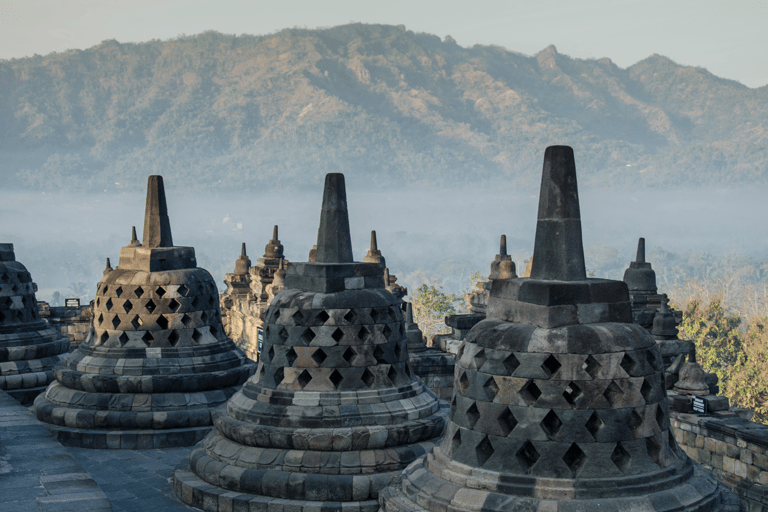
<point>379,103</point>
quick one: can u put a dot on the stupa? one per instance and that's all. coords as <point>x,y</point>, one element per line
<point>264,271</point>
<point>502,267</point>
<point>239,282</point>
<point>559,401</point>
<point>29,347</point>
<point>334,412</point>
<point>156,360</point>
<point>643,293</point>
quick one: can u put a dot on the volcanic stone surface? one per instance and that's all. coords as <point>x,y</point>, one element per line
<point>334,412</point>
<point>156,361</point>
<point>29,347</point>
<point>559,400</point>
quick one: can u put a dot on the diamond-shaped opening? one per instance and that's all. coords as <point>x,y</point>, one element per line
<point>308,335</point>
<point>148,338</point>
<point>337,335</point>
<point>197,335</point>
<point>393,314</point>
<point>591,366</point>
<point>408,371</point>
<point>627,363</point>
<point>661,417</point>
<point>530,392</point>
<point>511,363</point>
<point>460,351</point>
<point>322,317</point>
<point>275,315</point>
<point>594,424</point>
<point>472,415</point>
<point>484,450</point>
<point>376,315</point>
<point>119,291</point>
<point>104,337</point>
<point>386,332</point>
<point>634,423</point>
<point>106,289</point>
<point>551,365</point>
<point>398,351</point>
<point>279,376</point>
<point>479,358</point>
<point>351,316</point>
<point>15,288</point>
<point>5,277</point>
<point>551,424</point>
<point>653,360</point>
<point>304,378</point>
<point>646,390</point>
<point>453,405</point>
<point>456,441</point>
<point>463,383</point>
<point>654,449</point>
<point>613,393</point>
<point>336,378</point>
<point>173,338</point>
<point>204,317</point>
<point>507,421</point>
<point>135,322</point>
<point>363,334</point>
<point>2,317</point>
<point>572,393</point>
<point>24,301</point>
<point>392,375</point>
<point>123,338</point>
<point>7,301</point>
<point>186,320</point>
<point>282,334</point>
<point>621,458</point>
<point>262,372</point>
<point>574,458</point>
<point>162,322</point>
<point>348,355</point>
<point>174,305</point>
<point>378,353</point>
<point>108,304</point>
<point>368,378</point>
<point>290,356</point>
<point>182,290</point>
<point>491,388</point>
<point>318,356</point>
<point>270,354</point>
<point>297,317</point>
<point>160,291</point>
<point>151,306</point>
<point>214,330</point>
<point>127,306</point>
<point>98,301</point>
<point>196,302</point>
<point>115,321</point>
<point>527,456</point>
<point>139,291</point>
<point>101,318</point>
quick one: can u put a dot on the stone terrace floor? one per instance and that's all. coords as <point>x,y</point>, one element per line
<point>39,474</point>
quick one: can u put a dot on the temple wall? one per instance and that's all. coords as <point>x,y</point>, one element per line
<point>733,448</point>
<point>74,323</point>
<point>242,322</point>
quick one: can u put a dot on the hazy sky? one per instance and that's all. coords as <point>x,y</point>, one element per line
<point>729,38</point>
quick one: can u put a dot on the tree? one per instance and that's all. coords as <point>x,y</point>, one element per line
<point>430,307</point>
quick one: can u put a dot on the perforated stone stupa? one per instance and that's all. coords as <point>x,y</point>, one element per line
<point>334,412</point>
<point>29,347</point>
<point>559,400</point>
<point>157,359</point>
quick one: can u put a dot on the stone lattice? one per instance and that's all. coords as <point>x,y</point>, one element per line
<point>29,347</point>
<point>156,360</point>
<point>559,399</point>
<point>334,412</point>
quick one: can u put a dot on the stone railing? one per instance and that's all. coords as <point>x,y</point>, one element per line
<point>74,323</point>
<point>732,447</point>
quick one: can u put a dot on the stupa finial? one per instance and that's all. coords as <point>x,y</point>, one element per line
<point>503,246</point>
<point>134,238</point>
<point>409,313</point>
<point>640,251</point>
<point>157,225</point>
<point>109,265</point>
<point>274,232</point>
<point>334,244</point>
<point>558,253</point>
<point>242,252</point>
<point>374,243</point>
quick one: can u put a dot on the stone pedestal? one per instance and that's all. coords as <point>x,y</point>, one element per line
<point>29,347</point>
<point>156,361</point>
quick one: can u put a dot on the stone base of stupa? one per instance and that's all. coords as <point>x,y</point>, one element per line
<point>435,368</point>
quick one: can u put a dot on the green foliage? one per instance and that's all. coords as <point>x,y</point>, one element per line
<point>430,307</point>
<point>376,102</point>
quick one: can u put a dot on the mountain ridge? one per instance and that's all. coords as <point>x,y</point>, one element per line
<point>378,102</point>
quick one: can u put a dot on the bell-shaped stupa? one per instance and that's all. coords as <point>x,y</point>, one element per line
<point>559,401</point>
<point>334,412</point>
<point>29,347</point>
<point>156,361</point>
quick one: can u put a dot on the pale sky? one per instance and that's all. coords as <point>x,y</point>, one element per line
<point>729,38</point>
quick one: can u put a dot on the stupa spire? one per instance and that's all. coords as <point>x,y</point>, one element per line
<point>157,225</point>
<point>640,251</point>
<point>558,253</point>
<point>334,244</point>
<point>242,252</point>
<point>274,233</point>
<point>374,243</point>
<point>503,245</point>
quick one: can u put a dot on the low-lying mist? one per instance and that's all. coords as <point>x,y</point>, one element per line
<point>440,235</point>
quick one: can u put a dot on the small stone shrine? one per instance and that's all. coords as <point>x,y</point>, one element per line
<point>559,401</point>
<point>29,347</point>
<point>239,282</point>
<point>502,267</point>
<point>643,294</point>
<point>264,271</point>
<point>156,360</point>
<point>433,366</point>
<point>334,412</point>
<point>390,281</point>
